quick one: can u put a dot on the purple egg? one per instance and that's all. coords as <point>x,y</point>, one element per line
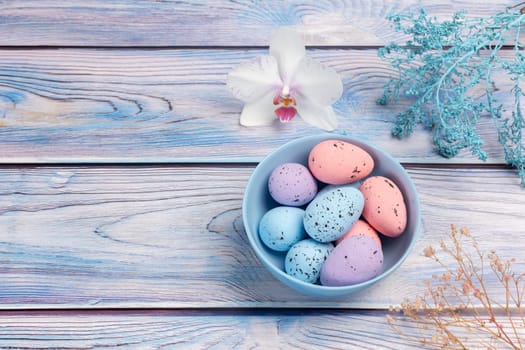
<point>292,184</point>
<point>356,259</point>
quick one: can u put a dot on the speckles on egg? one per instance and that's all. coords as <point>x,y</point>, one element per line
<point>385,207</point>
<point>306,258</point>
<point>332,213</point>
<point>292,184</point>
<point>338,162</point>
<point>282,227</point>
<point>362,228</point>
<point>356,259</point>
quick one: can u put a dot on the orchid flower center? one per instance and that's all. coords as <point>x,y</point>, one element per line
<point>285,102</point>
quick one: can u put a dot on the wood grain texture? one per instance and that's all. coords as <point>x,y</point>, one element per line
<point>172,106</point>
<point>172,236</point>
<point>181,330</point>
<point>154,256</point>
<point>211,23</point>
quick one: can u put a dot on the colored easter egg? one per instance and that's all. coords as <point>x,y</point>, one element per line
<point>356,259</point>
<point>332,213</point>
<point>281,227</point>
<point>305,259</point>
<point>361,227</point>
<point>338,162</point>
<point>292,184</point>
<point>385,208</point>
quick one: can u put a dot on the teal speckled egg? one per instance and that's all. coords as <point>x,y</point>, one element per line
<point>305,259</point>
<point>332,213</point>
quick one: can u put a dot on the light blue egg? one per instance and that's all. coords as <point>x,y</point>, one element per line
<point>282,227</point>
<point>305,259</point>
<point>333,212</point>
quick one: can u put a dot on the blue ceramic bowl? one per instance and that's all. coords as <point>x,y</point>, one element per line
<point>257,201</point>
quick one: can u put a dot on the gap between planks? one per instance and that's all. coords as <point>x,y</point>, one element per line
<point>192,47</point>
<point>195,311</point>
<point>210,311</point>
<point>213,163</point>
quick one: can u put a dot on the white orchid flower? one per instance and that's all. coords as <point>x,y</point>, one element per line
<point>284,84</point>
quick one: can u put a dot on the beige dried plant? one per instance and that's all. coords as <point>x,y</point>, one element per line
<point>475,303</point>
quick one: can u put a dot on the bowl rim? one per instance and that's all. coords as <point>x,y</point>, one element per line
<point>317,288</point>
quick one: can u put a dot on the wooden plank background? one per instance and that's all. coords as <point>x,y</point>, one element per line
<point>172,236</point>
<point>122,171</point>
<point>200,23</point>
<point>162,105</point>
<point>185,330</point>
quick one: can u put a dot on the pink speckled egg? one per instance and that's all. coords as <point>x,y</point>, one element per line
<point>385,208</point>
<point>356,259</point>
<point>292,184</point>
<point>338,162</point>
<point>362,228</point>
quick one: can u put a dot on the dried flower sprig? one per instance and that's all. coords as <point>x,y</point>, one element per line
<point>459,307</point>
<point>442,68</point>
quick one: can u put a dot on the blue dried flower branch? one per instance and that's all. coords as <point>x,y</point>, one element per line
<point>441,69</point>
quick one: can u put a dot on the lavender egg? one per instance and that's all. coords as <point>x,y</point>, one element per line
<point>356,259</point>
<point>292,184</point>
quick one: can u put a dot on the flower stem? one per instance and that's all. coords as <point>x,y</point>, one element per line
<point>466,56</point>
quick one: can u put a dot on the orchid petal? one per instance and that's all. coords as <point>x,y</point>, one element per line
<point>287,47</point>
<point>322,85</point>
<point>249,81</point>
<point>317,115</point>
<point>259,112</point>
<point>285,114</point>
